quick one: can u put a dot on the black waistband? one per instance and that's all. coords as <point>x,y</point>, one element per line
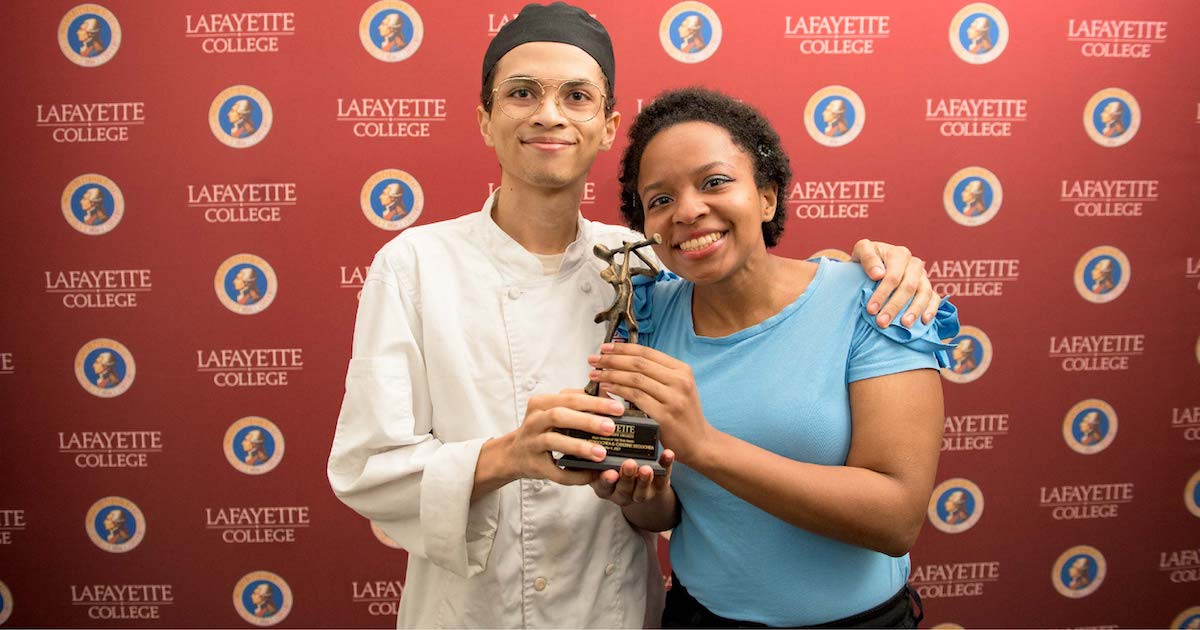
<point>684,611</point>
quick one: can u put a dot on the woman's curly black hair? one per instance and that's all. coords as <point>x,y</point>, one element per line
<point>749,129</point>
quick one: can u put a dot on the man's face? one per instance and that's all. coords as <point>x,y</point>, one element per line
<point>82,34</point>
<point>960,353</point>
<point>239,283</point>
<point>258,598</point>
<point>98,367</point>
<point>547,150</point>
<point>247,445</point>
<point>233,115</point>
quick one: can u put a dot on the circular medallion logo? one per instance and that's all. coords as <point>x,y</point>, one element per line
<point>1191,494</point>
<point>253,445</point>
<point>978,33</point>
<point>834,254</point>
<point>391,30</point>
<point>971,356</point>
<point>1090,426</point>
<point>6,603</point>
<point>105,368</point>
<point>392,199</point>
<point>955,506</point>
<point>1112,117</point>
<point>1102,274</point>
<point>115,524</point>
<point>1079,571</point>
<point>240,116</point>
<point>972,196</point>
<point>382,537</point>
<point>834,116</point>
<point>246,284</point>
<point>1187,620</point>
<point>690,32</point>
<point>89,35</point>
<point>93,204</point>
<point>262,598</point>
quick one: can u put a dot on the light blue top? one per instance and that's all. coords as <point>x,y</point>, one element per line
<point>783,385</point>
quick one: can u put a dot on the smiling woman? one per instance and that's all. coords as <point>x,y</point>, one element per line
<point>804,437</point>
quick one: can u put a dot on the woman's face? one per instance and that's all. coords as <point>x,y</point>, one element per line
<point>697,188</point>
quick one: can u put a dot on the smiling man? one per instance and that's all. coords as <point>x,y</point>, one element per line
<point>468,330</point>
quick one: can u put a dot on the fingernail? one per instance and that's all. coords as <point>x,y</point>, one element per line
<point>594,359</point>
<point>885,319</point>
<point>604,347</point>
<point>876,270</point>
<point>908,319</point>
<point>608,426</point>
<point>873,307</point>
<point>598,452</point>
<point>616,407</point>
<point>593,374</point>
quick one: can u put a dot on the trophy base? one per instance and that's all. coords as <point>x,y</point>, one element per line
<point>609,463</point>
<point>636,438</point>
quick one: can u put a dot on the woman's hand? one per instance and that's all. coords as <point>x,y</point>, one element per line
<point>633,484</point>
<point>661,386</point>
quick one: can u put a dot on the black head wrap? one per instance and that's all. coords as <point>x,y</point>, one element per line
<point>557,22</point>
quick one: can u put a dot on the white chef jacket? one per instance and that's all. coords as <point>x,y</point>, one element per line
<point>458,326</point>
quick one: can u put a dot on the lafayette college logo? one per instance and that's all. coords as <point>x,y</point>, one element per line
<point>978,33</point>
<point>1090,426</point>
<point>89,35</point>
<point>104,368</point>
<point>1102,274</point>
<point>834,116</point>
<point>391,199</point>
<point>93,204</point>
<point>6,603</point>
<point>1112,117</point>
<point>115,524</point>
<point>246,284</point>
<point>253,445</point>
<point>971,356</point>
<point>391,30</point>
<point>240,117</point>
<point>955,506</point>
<point>262,598</point>
<point>972,196</point>
<point>690,32</point>
<point>1079,571</point>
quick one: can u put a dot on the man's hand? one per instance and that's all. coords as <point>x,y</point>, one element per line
<point>901,277</point>
<point>525,453</point>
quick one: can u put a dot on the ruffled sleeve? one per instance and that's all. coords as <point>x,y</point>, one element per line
<point>643,301</point>
<point>920,336</point>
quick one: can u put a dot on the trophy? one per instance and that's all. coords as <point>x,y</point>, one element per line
<point>636,434</point>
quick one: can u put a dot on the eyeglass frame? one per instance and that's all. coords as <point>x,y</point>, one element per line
<point>542,100</point>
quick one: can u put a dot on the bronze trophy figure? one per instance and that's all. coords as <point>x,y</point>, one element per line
<point>636,435</point>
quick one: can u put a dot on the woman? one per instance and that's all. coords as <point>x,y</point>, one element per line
<point>808,438</point>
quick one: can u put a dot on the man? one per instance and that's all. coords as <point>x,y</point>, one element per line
<point>392,200</point>
<point>390,29</point>
<point>239,118</point>
<point>246,284</point>
<point>89,38</point>
<point>261,598</point>
<point>92,204</point>
<point>114,524</point>
<point>1102,277</point>
<point>105,367</point>
<point>467,332</point>
<point>255,446</point>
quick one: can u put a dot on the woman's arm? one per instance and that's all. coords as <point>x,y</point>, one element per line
<point>877,500</point>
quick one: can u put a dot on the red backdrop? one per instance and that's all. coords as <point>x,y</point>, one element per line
<point>134,201</point>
